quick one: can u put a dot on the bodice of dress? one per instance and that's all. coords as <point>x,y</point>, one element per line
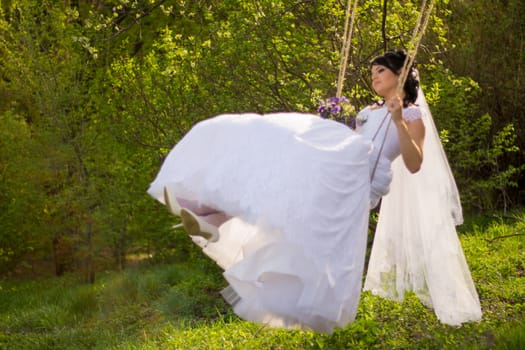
<point>373,124</point>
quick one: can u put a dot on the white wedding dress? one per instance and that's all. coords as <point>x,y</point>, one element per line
<point>299,193</point>
<point>416,247</point>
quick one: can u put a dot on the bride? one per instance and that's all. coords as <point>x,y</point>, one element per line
<point>281,202</point>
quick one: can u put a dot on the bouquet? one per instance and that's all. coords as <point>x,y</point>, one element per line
<point>338,109</point>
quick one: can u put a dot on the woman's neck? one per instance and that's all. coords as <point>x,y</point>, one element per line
<point>391,94</point>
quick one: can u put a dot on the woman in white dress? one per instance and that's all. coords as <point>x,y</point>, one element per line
<point>281,201</point>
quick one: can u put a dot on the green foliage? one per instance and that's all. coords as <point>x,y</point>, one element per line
<point>489,49</point>
<point>494,60</point>
<point>512,337</point>
<point>45,79</point>
<point>15,240</point>
<point>476,150</point>
<point>94,94</point>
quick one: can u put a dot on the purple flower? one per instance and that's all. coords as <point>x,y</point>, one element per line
<point>338,109</point>
<point>335,109</point>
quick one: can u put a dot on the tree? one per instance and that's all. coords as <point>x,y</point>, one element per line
<point>487,41</point>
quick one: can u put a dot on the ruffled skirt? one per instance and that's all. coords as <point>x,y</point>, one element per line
<point>297,188</point>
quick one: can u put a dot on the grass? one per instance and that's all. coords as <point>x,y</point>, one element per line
<point>178,306</point>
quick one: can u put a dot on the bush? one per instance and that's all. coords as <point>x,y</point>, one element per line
<point>477,153</point>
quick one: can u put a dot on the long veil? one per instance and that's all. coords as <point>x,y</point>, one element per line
<point>416,247</point>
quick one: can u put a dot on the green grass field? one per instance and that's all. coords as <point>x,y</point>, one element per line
<point>177,306</point>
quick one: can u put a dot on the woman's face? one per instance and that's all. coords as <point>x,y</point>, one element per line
<point>384,81</point>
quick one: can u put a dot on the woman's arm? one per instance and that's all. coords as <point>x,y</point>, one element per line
<point>411,136</point>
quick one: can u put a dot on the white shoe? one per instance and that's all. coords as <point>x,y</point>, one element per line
<point>195,226</point>
<point>171,203</point>
<point>230,295</point>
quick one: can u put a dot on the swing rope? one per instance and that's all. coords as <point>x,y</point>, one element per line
<point>347,42</point>
<point>417,35</point>
<point>413,47</point>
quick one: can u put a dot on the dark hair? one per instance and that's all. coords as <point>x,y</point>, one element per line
<point>394,60</point>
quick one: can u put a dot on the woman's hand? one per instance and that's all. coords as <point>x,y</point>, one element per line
<point>411,135</point>
<point>395,108</point>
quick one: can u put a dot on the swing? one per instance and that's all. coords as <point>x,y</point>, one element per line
<point>413,46</point>
<point>417,35</point>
